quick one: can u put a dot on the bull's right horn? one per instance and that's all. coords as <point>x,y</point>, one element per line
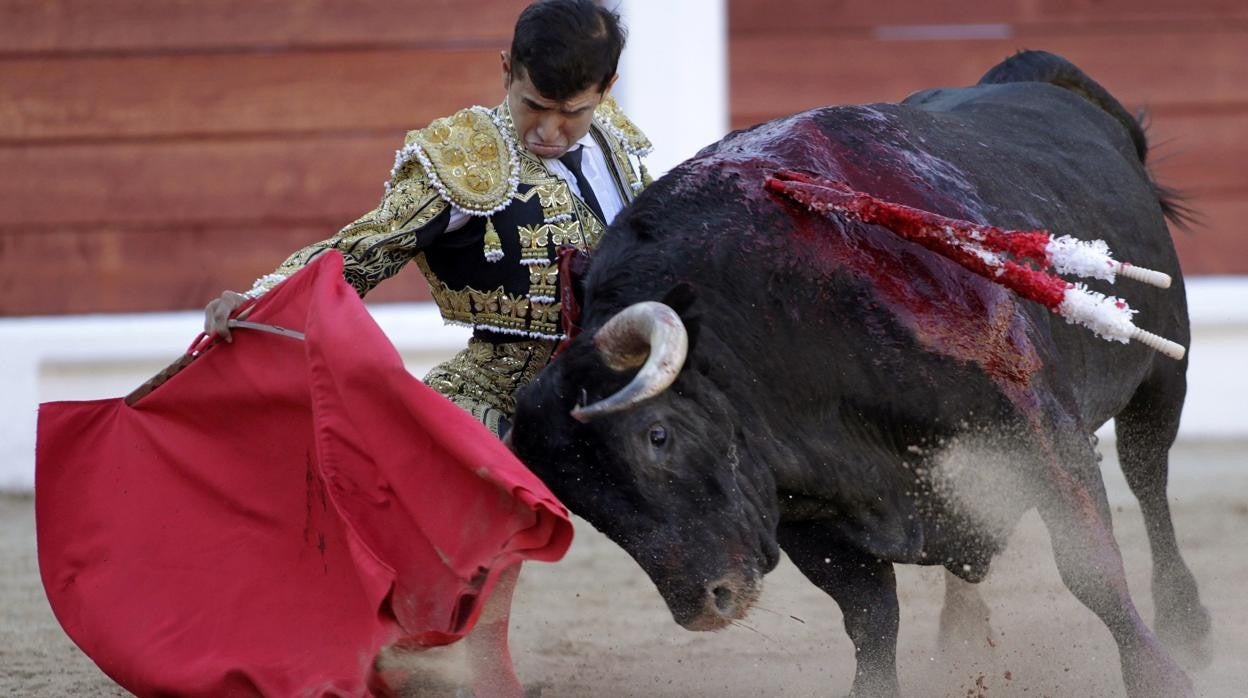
<point>647,334</point>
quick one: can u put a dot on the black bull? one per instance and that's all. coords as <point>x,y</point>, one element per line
<point>858,401</point>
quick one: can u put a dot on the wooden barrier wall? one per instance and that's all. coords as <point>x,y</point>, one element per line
<point>154,153</point>
<point>1186,62</point>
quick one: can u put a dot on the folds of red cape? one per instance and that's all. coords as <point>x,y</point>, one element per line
<point>279,510</point>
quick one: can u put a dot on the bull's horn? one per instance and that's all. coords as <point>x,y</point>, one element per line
<point>649,335</point>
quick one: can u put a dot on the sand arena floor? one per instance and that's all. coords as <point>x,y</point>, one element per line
<point>593,625</point>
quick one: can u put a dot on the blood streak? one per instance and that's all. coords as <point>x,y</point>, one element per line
<point>966,243</point>
<point>948,312</point>
<point>954,314</point>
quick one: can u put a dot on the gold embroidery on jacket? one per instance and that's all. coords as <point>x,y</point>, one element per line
<point>484,377</point>
<point>568,233</point>
<point>378,244</point>
<point>546,315</point>
<point>609,114</point>
<point>532,169</point>
<point>535,240</point>
<point>592,230</point>
<point>485,303</point>
<point>470,158</point>
<point>513,311</point>
<point>474,162</point>
<point>624,139</point>
<point>543,281</point>
<point>497,310</point>
<point>555,198</point>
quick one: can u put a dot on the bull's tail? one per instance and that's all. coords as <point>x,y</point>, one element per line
<point>1042,66</point>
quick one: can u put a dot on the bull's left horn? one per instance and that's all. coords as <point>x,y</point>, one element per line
<point>647,334</point>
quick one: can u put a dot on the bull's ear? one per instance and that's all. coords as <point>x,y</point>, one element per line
<point>684,300</point>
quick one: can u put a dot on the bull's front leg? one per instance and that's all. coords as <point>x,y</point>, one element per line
<point>865,589</point>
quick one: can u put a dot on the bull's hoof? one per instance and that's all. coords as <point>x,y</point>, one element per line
<point>965,630</point>
<point>965,626</point>
<point>1181,622</point>
<point>425,688</point>
<point>875,687</point>
<point>448,671</point>
<point>1150,673</point>
<point>1187,637</point>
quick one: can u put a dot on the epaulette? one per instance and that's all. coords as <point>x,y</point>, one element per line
<point>469,158</point>
<point>611,119</point>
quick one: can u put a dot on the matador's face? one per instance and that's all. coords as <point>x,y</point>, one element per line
<point>549,127</point>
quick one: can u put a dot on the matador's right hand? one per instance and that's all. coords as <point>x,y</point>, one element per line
<point>217,314</point>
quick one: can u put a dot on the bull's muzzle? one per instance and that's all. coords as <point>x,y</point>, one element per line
<point>723,601</point>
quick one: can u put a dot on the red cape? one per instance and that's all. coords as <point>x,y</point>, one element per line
<point>279,510</point>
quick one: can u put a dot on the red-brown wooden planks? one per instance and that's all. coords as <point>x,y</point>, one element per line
<point>118,269</point>
<point>748,17</point>
<point>1217,245</point>
<point>1202,154</point>
<point>160,268</point>
<point>157,226</point>
<point>55,26</point>
<point>779,74</point>
<point>155,153</point>
<point>1123,11</point>
<point>304,178</point>
<point>194,95</point>
<point>1186,62</point>
<point>330,176</point>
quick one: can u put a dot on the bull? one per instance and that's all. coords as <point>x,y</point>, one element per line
<point>751,376</point>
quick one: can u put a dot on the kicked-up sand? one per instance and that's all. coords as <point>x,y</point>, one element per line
<point>593,624</point>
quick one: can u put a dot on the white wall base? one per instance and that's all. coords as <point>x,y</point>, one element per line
<point>86,357</point>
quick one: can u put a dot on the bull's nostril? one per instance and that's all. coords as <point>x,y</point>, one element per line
<point>723,599</point>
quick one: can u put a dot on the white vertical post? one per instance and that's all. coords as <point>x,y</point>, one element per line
<point>674,75</point>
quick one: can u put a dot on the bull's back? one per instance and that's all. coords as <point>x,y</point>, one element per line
<point>1018,155</point>
<point>1048,158</point>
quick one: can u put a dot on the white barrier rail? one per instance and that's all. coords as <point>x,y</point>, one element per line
<point>85,357</point>
<point>88,357</point>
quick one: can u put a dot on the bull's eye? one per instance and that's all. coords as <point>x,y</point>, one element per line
<point>658,435</point>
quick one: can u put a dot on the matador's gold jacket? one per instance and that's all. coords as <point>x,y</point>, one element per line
<point>498,273</point>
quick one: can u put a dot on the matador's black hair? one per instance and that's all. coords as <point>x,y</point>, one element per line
<point>566,46</point>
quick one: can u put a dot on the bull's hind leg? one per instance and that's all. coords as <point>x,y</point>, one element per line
<point>1146,430</point>
<point>865,589</point>
<point>1076,512</point>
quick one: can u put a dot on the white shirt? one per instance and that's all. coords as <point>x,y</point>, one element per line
<point>597,172</point>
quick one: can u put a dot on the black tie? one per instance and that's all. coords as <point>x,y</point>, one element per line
<point>572,160</point>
